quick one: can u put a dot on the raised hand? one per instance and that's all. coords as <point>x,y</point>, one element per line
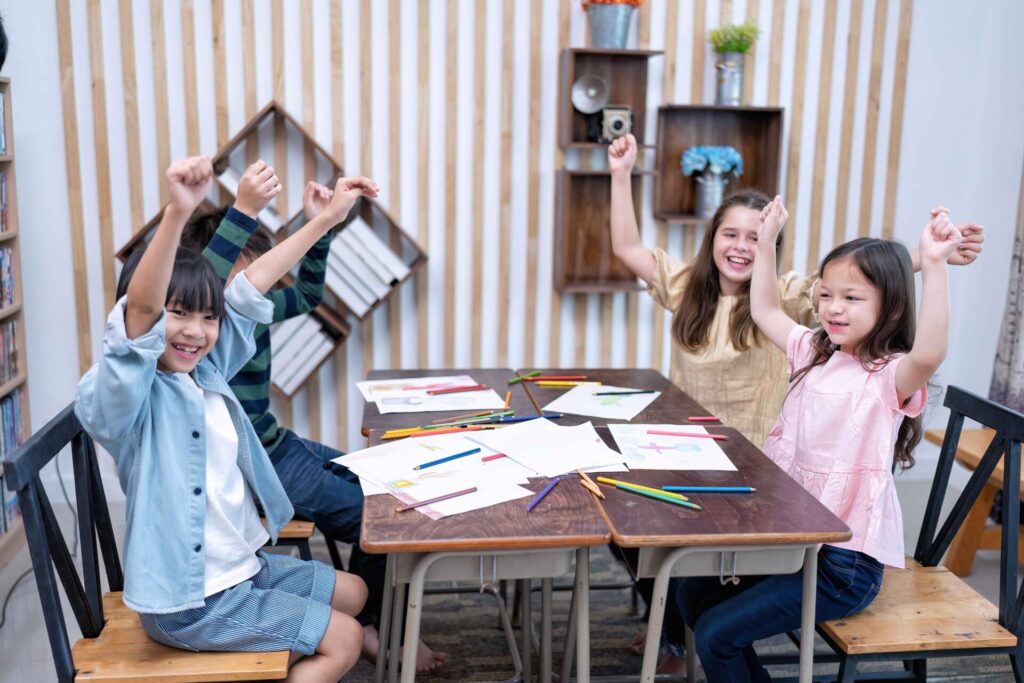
<point>315,198</point>
<point>970,246</point>
<point>939,240</point>
<point>622,154</point>
<point>258,185</point>
<point>346,192</point>
<point>188,181</point>
<point>773,217</point>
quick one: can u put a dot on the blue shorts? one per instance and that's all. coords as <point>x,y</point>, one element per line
<point>286,605</point>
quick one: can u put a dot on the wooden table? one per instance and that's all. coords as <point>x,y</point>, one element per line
<point>501,542</point>
<point>775,530</point>
<point>973,534</point>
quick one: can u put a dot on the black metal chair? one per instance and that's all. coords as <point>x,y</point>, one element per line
<point>926,611</point>
<point>114,643</point>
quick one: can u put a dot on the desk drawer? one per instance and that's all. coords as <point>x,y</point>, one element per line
<point>738,561</point>
<point>528,564</point>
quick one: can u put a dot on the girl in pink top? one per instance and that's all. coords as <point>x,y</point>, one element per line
<point>853,407</point>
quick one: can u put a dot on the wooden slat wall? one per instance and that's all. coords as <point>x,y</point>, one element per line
<point>600,323</point>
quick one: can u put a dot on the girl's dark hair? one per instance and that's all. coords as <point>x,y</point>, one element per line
<point>886,264</point>
<point>201,228</point>
<point>692,320</point>
<point>194,283</point>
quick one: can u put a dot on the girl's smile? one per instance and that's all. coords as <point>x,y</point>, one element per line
<point>848,304</point>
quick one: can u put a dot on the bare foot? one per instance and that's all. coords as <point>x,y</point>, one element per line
<point>673,666</point>
<point>426,659</point>
<point>636,646</point>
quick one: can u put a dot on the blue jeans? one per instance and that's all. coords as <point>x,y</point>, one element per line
<point>329,495</point>
<point>726,620</point>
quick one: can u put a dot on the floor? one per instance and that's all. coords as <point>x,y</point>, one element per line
<point>25,654</point>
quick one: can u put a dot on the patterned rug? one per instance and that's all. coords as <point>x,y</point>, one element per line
<point>465,625</point>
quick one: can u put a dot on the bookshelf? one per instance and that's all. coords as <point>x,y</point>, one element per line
<point>371,256</point>
<point>14,416</point>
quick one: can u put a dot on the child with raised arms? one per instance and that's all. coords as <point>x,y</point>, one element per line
<point>853,408</point>
<point>189,461</point>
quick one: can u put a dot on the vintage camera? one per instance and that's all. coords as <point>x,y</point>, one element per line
<point>616,122</point>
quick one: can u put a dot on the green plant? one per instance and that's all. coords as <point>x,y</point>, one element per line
<point>734,37</point>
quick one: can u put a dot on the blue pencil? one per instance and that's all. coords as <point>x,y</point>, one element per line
<point>539,496</point>
<point>709,489</point>
<point>522,418</point>
<point>446,459</point>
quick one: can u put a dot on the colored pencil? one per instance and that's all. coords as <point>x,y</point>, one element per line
<point>522,418</point>
<point>519,378</point>
<point>589,483</point>
<point>639,487</point>
<point>703,418</point>
<point>660,496</point>
<point>456,390</point>
<point>716,437</point>
<point>438,499</point>
<point>449,458</point>
<point>488,458</point>
<point>561,383</point>
<point>549,378</point>
<point>433,432</point>
<point>711,489</point>
<point>623,393</point>
<point>533,401</point>
<point>459,417</point>
<point>508,398</point>
<point>540,496</point>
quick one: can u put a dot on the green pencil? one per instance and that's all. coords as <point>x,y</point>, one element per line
<point>659,496</point>
<point>520,378</point>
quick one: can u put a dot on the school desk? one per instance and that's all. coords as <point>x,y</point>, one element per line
<point>499,542</point>
<point>775,530</point>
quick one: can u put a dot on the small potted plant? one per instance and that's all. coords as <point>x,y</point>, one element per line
<point>609,22</point>
<point>731,42</point>
<point>712,164</point>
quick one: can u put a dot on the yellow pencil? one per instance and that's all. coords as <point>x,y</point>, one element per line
<point>589,483</point>
<point>559,383</point>
<point>640,487</point>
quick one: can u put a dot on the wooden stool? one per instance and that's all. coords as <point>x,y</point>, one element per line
<point>975,533</point>
<point>297,533</point>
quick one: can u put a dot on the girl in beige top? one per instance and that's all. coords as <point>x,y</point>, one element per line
<point>718,357</point>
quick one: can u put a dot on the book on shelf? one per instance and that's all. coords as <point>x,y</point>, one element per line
<point>10,422</point>
<point>270,219</point>
<point>3,200</point>
<point>378,249</point>
<point>346,294</point>
<point>11,509</point>
<point>366,278</point>
<point>6,277</point>
<point>3,124</point>
<point>8,350</point>
<point>380,271</point>
<point>301,345</point>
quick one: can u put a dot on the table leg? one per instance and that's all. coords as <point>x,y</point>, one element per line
<point>397,609</point>
<point>691,654</point>
<point>413,612</point>
<point>654,622</point>
<point>807,614</point>
<point>569,648</point>
<point>545,631</point>
<point>526,624</point>
<point>384,627</point>
<point>582,615</point>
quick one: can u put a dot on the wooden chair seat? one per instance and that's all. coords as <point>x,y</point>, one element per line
<point>296,528</point>
<point>123,652</point>
<point>920,609</point>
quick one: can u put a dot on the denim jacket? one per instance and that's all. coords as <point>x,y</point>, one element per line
<point>153,426</point>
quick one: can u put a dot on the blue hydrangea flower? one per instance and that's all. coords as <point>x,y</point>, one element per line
<point>716,159</point>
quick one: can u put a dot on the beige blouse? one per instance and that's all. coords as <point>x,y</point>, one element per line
<point>744,389</point>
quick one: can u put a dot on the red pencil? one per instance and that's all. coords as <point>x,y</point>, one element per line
<point>716,437</point>
<point>703,418</point>
<point>455,390</point>
<point>554,378</point>
<point>488,458</point>
<point>436,500</point>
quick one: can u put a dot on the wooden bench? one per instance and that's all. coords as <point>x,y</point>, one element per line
<point>976,533</point>
<point>114,647</point>
<point>925,610</point>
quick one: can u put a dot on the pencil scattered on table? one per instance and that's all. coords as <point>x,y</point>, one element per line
<point>519,378</point>
<point>446,459</point>
<point>533,401</point>
<point>710,489</point>
<point>565,383</point>
<point>459,417</point>
<point>540,496</point>
<point>703,418</point>
<point>650,493</point>
<point>488,458</point>
<point>641,487</point>
<point>456,390</point>
<point>589,484</point>
<point>438,499</point>
<point>508,398</point>
<point>556,378</point>
<point>716,437</point>
<point>623,393</point>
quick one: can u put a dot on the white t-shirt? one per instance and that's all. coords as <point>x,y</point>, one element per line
<point>232,531</point>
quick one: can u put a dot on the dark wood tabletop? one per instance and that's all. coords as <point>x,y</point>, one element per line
<point>780,511</point>
<point>495,378</point>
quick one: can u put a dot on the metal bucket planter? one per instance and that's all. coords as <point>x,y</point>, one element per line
<point>730,79</point>
<point>710,192</point>
<point>609,25</point>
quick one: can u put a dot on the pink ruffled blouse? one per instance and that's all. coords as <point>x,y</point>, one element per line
<point>836,436</point>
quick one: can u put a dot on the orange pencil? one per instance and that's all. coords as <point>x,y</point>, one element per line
<point>508,399</point>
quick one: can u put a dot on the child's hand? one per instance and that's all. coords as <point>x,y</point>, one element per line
<point>970,245</point>
<point>346,192</point>
<point>940,239</point>
<point>773,217</point>
<point>259,184</point>
<point>315,199</point>
<point>622,154</point>
<point>188,180</point>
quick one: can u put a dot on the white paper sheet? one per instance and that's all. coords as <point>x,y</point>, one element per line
<point>544,447</point>
<point>644,451</point>
<point>580,400</point>
<point>410,395</point>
